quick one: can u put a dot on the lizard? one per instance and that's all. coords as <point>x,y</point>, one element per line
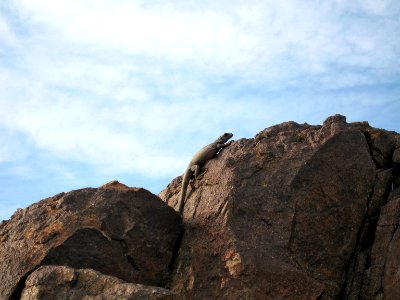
<point>199,159</point>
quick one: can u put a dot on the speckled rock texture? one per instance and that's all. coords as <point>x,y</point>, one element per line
<point>298,212</point>
<point>124,232</point>
<point>62,283</point>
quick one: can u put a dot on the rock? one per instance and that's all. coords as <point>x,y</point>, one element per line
<point>391,278</point>
<point>115,184</point>
<point>382,277</point>
<point>396,163</point>
<point>396,156</point>
<point>298,212</point>
<point>125,232</point>
<point>394,194</point>
<point>382,145</point>
<point>61,282</point>
<point>382,188</point>
<point>290,214</point>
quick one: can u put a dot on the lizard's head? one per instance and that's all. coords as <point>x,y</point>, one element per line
<point>224,138</point>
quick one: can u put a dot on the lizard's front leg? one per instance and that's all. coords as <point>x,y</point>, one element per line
<point>221,146</point>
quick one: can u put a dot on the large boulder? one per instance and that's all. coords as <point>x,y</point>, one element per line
<point>125,232</point>
<point>62,283</point>
<point>292,214</point>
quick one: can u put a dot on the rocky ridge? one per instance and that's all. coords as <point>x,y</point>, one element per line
<point>298,212</point>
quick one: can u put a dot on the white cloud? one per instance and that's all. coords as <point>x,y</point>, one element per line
<point>6,35</point>
<point>121,85</point>
<point>127,26</point>
<point>89,127</point>
<point>11,147</point>
<point>254,37</point>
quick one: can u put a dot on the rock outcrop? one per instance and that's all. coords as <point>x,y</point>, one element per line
<point>124,232</point>
<point>298,212</point>
<point>61,282</point>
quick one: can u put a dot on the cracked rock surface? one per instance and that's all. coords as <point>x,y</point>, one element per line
<point>124,232</point>
<point>298,212</point>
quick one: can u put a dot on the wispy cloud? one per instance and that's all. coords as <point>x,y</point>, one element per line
<point>257,38</point>
<point>135,87</point>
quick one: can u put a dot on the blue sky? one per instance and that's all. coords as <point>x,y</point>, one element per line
<point>95,90</point>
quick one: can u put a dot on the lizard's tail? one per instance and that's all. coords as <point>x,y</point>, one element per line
<point>185,183</point>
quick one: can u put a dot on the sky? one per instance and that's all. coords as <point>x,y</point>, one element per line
<point>95,90</point>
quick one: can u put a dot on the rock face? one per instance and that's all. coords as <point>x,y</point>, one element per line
<point>298,212</point>
<point>61,282</point>
<point>125,232</point>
